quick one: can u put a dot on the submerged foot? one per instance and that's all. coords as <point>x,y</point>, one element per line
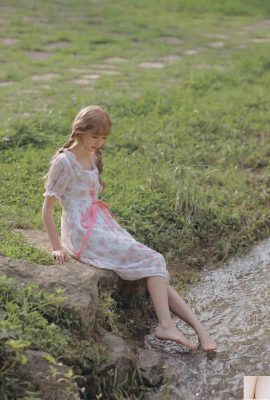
<point>207,343</point>
<point>172,333</point>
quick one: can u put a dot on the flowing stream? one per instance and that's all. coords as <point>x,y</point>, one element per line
<point>232,301</point>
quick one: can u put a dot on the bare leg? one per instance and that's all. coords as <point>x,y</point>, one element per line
<point>166,330</point>
<point>179,307</point>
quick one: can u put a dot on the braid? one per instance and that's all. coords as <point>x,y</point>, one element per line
<point>99,163</point>
<point>66,145</point>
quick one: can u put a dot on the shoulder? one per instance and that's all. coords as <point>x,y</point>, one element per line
<point>60,159</point>
<point>61,162</point>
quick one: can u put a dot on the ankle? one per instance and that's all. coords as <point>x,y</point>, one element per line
<point>166,325</point>
<point>200,329</point>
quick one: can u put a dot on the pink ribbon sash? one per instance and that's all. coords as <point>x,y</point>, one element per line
<point>88,220</point>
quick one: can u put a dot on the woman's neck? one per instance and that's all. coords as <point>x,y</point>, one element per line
<point>82,153</point>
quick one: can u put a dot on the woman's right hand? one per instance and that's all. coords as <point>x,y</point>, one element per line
<point>60,255</point>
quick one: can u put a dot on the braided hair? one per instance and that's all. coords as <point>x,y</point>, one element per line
<point>95,119</point>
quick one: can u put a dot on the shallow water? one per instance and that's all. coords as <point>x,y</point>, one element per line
<point>232,301</point>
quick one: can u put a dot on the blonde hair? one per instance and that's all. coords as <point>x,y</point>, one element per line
<point>95,119</point>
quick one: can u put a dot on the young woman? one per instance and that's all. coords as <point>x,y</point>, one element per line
<point>90,233</point>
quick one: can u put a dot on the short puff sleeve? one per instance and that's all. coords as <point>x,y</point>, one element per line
<point>58,178</point>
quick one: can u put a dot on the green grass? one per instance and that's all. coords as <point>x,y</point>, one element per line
<point>187,162</point>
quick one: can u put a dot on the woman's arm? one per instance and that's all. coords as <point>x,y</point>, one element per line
<point>262,390</point>
<point>48,220</point>
<point>249,387</point>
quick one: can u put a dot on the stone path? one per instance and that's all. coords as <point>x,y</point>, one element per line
<point>111,66</point>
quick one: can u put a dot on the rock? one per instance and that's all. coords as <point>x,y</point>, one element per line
<point>82,284</point>
<point>150,365</point>
<point>120,356</point>
<point>47,377</point>
<point>155,396</point>
<point>125,358</point>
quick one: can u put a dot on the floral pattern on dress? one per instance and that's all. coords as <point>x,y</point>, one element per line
<point>109,246</point>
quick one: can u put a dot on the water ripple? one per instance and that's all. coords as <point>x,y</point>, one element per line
<point>232,301</point>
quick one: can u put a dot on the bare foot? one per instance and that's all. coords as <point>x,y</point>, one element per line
<point>207,343</point>
<point>172,333</point>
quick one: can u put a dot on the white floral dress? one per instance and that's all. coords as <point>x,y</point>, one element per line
<point>89,231</point>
